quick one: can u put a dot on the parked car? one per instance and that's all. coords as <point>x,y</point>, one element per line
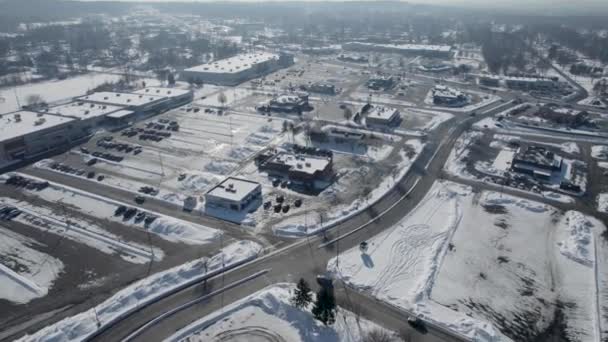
<point>120,210</point>
<point>140,199</point>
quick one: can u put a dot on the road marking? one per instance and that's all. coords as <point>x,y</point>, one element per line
<point>172,312</point>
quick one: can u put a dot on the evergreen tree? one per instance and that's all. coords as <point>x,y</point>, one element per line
<point>325,306</point>
<point>302,294</point>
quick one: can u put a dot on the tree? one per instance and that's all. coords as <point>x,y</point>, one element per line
<point>324,309</point>
<point>348,113</point>
<point>171,79</point>
<point>379,335</point>
<point>301,295</point>
<point>221,98</point>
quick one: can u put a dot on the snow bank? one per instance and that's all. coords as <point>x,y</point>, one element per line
<point>599,152</point>
<point>81,326</point>
<point>268,313</point>
<point>602,202</point>
<point>580,238</point>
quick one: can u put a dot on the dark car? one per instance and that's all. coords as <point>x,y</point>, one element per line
<point>129,213</point>
<point>140,216</point>
<point>325,281</point>
<point>140,199</point>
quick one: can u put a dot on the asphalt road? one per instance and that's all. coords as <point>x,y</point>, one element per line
<point>305,259</point>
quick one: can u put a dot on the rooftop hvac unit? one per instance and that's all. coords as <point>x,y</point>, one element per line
<point>307,164</point>
<point>140,96</point>
<point>39,114</point>
<point>39,122</point>
<point>299,166</point>
<point>157,90</point>
<point>117,95</point>
<point>17,117</point>
<point>105,97</point>
<point>128,100</point>
<point>86,112</point>
<point>92,105</point>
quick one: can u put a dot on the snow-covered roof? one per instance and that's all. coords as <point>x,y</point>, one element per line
<point>383,113</point>
<point>83,110</point>
<point>408,47</point>
<point>234,189</point>
<point>161,91</point>
<point>234,64</point>
<point>120,114</point>
<point>527,79</point>
<point>302,163</point>
<point>120,99</point>
<point>24,122</point>
<point>446,92</point>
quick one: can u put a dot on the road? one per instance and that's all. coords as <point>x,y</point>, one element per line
<point>304,259</point>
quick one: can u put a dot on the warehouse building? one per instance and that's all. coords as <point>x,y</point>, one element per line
<point>442,51</point>
<point>446,96</point>
<point>176,97</point>
<point>234,194</point>
<point>530,83</point>
<point>26,134</point>
<point>300,168</point>
<point>383,116</point>
<point>238,69</point>
<point>138,103</point>
<point>536,161</point>
<point>286,103</point>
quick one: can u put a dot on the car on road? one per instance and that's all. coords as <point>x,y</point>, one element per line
<point>416,323</point>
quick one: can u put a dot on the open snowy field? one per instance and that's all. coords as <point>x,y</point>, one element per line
<point>83,325</point>
<point>25,272</point>
<point>529,266</point>
<point>268,315</point>
<point>52,90</point>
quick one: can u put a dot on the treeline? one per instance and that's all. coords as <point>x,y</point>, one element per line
<point>589,43</point>
<point>501,50</point>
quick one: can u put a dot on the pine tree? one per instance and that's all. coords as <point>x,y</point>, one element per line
<point>302,294</point>
<point>325,306</point>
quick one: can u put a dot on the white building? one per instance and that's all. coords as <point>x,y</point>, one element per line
<point>25,134</point>
<point>444,51</point>
<point>234,194</point>
<point>176,96</point>
<point>139,103</point>
<point>382,116</point>
<point>529,83</point>
<point>237,69</point>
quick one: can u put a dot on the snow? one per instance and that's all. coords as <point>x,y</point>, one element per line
<point>603,165</point>
<point>166,227</point>
<point>53,90</point>
<point>308,224</point>
<point>602,203</point>
<point>25,272</point>
<point>81,326</point>
<point>269,315</point>
<point>600,152</point>
<point>580,238</point>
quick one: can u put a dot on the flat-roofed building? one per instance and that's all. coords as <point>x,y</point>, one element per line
<point>529,83</point>
<point>289,103</point>
<point>298,167</point>
<point>446,96</point>
<point>237,69</point>
<point>536,161</point>
<point>138,103</point>
<point>444,51</point>
<point>234,194</point>
<point>25,134</point>
<point>382,116</point>
<point>177,97</point>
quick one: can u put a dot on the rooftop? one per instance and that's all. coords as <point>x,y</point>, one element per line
<point>233,189</point>
<point>537,155</point>
<point>446,92</point>
<point>81,110</point>
<point>409,47</point>
<point>235,64</point>
<point>21,123</point>
<point>120,99</point>
<point>383,113</point>
<point>302,163</point>
<point>160,91</point>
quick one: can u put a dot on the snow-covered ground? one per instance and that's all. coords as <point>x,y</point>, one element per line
<point>166,227</point>
<point>52,90</point>
<point>268,315</point>
<point>566,147</point>
<point>25,273</point>
<point>306,224</point>
<point>79,327</point>
<point>81,231</point>
<point>602,202</point>
<point>512,278</point>
<point>600,152</point>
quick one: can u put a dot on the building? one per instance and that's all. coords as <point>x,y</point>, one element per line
<point>489,80</point>
<point>353,58</point>
<point>234,194</point>
<point>237,69</point>
<point>446,96</point>
<point>26,134</point>
<point>529,83</point>
<point>138,103</point>
<point>176,97</point>
<point>441,51</point>
<point>536,161</point>
<point>293,103</point>
<point>378,82</point>
<point>383,116</point>
<point>298,167</point>
<point>322,88</point>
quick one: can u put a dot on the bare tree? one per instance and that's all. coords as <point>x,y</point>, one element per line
<point>34,100</point>
<point>379,335</point>
<point>222,99</point>
<point>348,113</point>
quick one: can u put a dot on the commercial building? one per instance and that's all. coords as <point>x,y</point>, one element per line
<point>234,194</point>
<point>292,103</point>
<point>536,161</point>
<point>446,96</point>
<point>25,134</point>
<point>353,58</point>
<point>300,168</point>
<point>237,69</point>
<point>383,116</point>
<point>442,51</point>
<point>322,88</point>
<point>489,80</point>
<point>529,83</point>
<point>378,82</point>
<point>176,97</point>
